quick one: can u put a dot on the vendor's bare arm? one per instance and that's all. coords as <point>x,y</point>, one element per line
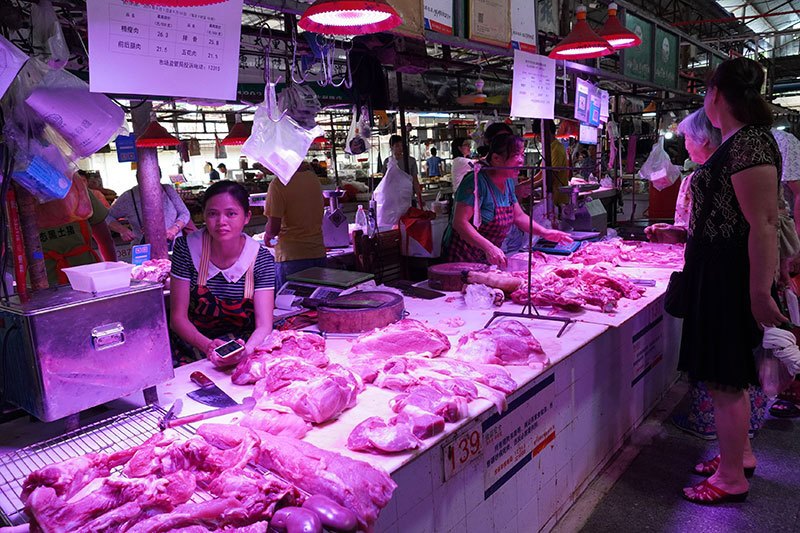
<point>105,243</point>
<point>272,229</point>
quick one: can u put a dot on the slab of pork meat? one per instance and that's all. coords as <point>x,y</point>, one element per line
<point>376,435</point>
<point>422,423</point>
<point>404,337</point>
<point>309,347</point>
<point>276,422</point>
<point>505,343</point>
<point>314,394</point>
<point>356,485</point>
<point>450,407</point>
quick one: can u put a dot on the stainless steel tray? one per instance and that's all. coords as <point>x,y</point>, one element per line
<point>113,434</point>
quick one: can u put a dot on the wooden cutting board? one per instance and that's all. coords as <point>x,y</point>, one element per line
<point>447,276</point>
<point>360,311</point>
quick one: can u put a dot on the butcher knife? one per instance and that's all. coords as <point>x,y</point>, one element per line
<point>209,393</point>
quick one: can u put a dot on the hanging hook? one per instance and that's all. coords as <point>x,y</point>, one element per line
<point>269,87</point>
<point>303,77</point>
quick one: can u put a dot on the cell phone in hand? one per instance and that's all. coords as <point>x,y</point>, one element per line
<point>229,349</point>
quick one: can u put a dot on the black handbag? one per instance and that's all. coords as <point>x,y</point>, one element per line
<point>676,297</point>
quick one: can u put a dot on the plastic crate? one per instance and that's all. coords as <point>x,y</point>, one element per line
<point>99,277</point>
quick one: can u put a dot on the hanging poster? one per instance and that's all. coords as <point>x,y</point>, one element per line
<point>582,90</point>
<point>547,16</point>
<point>594,106</point>
<point>164,51</point>
<point>533,93</point>
<point>11,60</point>
<point>490,22</point>
<point>603,105</point>
<point>439,15</point>
<point>523,25</point>
<point>666,64</point>
<point>637,60</point>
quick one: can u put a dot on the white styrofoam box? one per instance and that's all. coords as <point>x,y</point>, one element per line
<point>99,277</point>
<point>411,247</point>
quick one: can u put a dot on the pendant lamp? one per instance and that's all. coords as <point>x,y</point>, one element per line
<point>239,133</point>
<point>155,135</point>
<point>617,35</point>
<point>177,3</point>
<point>349,17</point>
<point>582,42</point>
<point>567,129</point>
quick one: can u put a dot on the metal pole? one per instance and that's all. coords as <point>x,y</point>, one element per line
<point>403,131</point>
<point>545,136</point>
<point>149,178</point>
<point>333,151</point>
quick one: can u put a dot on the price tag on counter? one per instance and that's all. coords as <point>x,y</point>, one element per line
<point>461,450</point>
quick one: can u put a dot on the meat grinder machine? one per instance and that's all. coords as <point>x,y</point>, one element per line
<point>583,213</point>
<point>335,229</point>
<point>65,351</point>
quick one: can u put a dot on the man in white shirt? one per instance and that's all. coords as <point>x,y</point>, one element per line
<point>396,145</point>
<point>789,147</point>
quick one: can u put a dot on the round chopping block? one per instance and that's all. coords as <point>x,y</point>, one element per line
<point>447,276</point>
<point>360,311</point>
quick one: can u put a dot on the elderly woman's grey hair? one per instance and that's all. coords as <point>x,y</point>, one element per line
<point>697,126</point>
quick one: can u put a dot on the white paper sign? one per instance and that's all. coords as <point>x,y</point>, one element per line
<point>11,60</point>
<point>439,15</point>
<point>534,88</point>
<point>603,105</point>
<point>164,51</point>
<point>523,25</point>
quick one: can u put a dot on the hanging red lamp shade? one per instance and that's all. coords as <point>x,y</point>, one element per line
<point>567,129</point>
<point>155,135</point>
<point>349,17</point>
<point>177,3</point>
<point>582,42</point>
<point>617,35</point>
<point>239,133</point>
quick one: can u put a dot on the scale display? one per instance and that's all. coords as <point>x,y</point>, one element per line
<point>551,247</point>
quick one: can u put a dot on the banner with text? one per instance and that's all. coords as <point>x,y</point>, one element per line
<point>439,15</point>
<point>533,93</point>
<point>523,25</point>
<point>665,71</point>
<point>637,59</point>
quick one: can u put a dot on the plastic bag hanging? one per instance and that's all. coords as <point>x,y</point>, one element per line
<point>358,136</point>
<point>48,40</point>
<point>280,145</point>
<point>658,169</point>
<point>301,103</point>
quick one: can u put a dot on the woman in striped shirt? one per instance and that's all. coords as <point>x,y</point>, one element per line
<point>222,280</point>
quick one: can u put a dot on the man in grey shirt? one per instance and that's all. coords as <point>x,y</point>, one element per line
<point>129,207</point>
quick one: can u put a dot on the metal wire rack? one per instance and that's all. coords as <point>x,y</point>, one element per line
<point>113,434</point>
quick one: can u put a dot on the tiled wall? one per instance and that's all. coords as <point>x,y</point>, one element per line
<point>595,408</point>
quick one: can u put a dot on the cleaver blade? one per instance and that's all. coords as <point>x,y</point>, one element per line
<point>209,393</point>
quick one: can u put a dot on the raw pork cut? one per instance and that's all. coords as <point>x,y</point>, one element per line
<point>422,423</point>
<point>376,435</point>
<point>617,252</point>
<point>357,485</point>
<point>314,394</point>
<point>309,347</point>
<point>155,270</point>
<point>276,420</point>
<point>407,337</point>
<point>426,398</point>
<point>505,343</point>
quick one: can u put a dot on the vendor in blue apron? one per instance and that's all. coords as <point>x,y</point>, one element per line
<point>486,207</point>
<point>223,281</point>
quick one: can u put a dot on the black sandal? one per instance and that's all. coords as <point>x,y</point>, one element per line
<point>784,409</point>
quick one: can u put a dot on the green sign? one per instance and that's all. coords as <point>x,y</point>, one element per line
<point>638,58</point>
<point>665,71</point>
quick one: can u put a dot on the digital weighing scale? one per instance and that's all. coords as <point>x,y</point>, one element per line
<point>316,283</point>
<point>550,247</point>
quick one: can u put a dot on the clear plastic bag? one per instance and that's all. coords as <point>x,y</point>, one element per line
<point>772,373</point>
<point>358,136</point>
<point>86,121</point>
<point>301,103</point>
<point>280,144</point>
<point>658,169</point>
<point>75,206</point>
<point>48,39</point>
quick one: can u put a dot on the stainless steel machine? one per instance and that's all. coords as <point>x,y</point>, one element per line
<point>335,230</point>
<point>64,351</point>
<point>583,213</point>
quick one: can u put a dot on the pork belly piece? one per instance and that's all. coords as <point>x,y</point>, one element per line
<point>280,345</point>
<point>426,398</point>
<point>376,435</point>
<point>505,343</point>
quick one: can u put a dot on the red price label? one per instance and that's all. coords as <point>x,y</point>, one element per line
<point>462,450</point>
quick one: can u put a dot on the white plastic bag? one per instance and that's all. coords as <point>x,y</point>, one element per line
<point>277,141</point>
<point>358,136</point>
<point>393,195</point>
<point>658,168</point>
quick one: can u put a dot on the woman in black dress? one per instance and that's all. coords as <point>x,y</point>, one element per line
<point>731,263</point>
